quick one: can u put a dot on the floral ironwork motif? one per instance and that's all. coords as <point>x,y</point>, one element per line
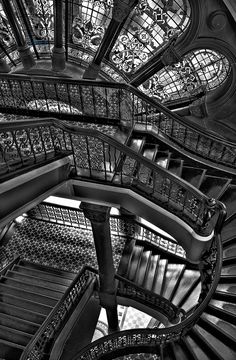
<point>90,22</point>
<point>199,71</point>
<point>42,21</point>
<point>6,36</point>
<point>151,25</point>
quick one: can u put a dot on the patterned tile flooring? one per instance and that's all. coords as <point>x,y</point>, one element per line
<point>57,246</point>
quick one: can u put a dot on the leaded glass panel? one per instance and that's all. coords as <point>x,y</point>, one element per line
<point>151,25</point>
<point>90,21</point>
<point>40,13</point>
<point>6,35</point>
<point>199,71</point>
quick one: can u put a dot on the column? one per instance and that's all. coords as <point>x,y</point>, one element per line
<point>121,10</point>
<point>58,52</point>
<point>26,56</point>
<point>99,217</point>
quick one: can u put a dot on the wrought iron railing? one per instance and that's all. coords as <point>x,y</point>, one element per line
<point>100,158</point>
<point>113,101</point>
<point>152,340</point>
<point>130,290</point>
<point>25,144</point>
<point>119,225</point>
<point>40,345</point>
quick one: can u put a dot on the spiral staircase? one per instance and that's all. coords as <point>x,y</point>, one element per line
<point>111,137</point>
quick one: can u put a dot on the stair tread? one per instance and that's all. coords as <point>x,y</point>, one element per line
<point>12,300</point>
<point>17,312</point>
<point>173,273</point>
<point>36,281</point>
<point>63,273</point>
<point>134,262</point>
<point>43,274</point>
<point>18,324</point>
<point>151,270</point>
<point>44,291</point>
<point>20,337</point>
<point>159,276</point>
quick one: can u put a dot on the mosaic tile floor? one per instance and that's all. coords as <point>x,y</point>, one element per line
<point>57,246</point>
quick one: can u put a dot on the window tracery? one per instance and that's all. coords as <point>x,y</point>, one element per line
<point>199,71</point>
<point>6,36</point>
<point>152,24</point>
<point>41,16</point>
<point>90,21</point>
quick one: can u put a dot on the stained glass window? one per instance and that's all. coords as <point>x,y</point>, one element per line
<point>41,16</point>
<point>151,25</point>
<point>199,71</point>
<point>90,20</point>
<point>6,36</point>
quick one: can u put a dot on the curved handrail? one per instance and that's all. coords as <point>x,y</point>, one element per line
<point>149,340</point>
<point>117,101</point>
<point>56,319</point>
<point>97,156</point>
<point>53,212</point>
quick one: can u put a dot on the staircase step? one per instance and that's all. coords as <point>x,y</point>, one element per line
<point>142,269</point>
<point>179,351</point>
<point>214,186</point>
<point>173,274</point>
<point>163,158</point>
<point>134,264</point>
<point>202,346</point>
<point>150,274</point>
<point>159,276</point>
<point>187,283</point>
<point>15,336</point>
<point>219,339</point>
<point>193,175</point>
<point>25,304</point>
<point>32,280</point>
<point>192,299</point>
<point>126,258</point>
<point>18,324</point>
<point>195,352</point>
<point>224,329</point>
<point>42,275</point>
<point>229,270</point>
<point>32,288</point>
<point>221,313</point>
<point>10,351</point>
<point>230,250</point>
<point>25,314</point>
<point>61,273</point>
<point>176,167</point>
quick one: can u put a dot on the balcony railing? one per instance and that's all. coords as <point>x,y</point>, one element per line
<point>111,102</point>
<point>98,157</point>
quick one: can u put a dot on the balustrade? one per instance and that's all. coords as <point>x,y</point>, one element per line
<point>46,335</point>
<point>115,103</point>
<point>97,156</point>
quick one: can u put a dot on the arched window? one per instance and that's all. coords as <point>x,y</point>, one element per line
<point>151,25</point>
<point>199,71</point>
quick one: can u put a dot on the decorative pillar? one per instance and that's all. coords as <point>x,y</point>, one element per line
<point>4,67</point>
<point>26,56</point>
<point>58,52</point>
<point>121,10</point>
<point>99,217</point>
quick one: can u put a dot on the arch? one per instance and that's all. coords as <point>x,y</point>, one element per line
<point>199,71</point>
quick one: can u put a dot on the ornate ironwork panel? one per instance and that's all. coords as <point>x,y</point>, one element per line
<point>6,35</point>
<point>151,25</point>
